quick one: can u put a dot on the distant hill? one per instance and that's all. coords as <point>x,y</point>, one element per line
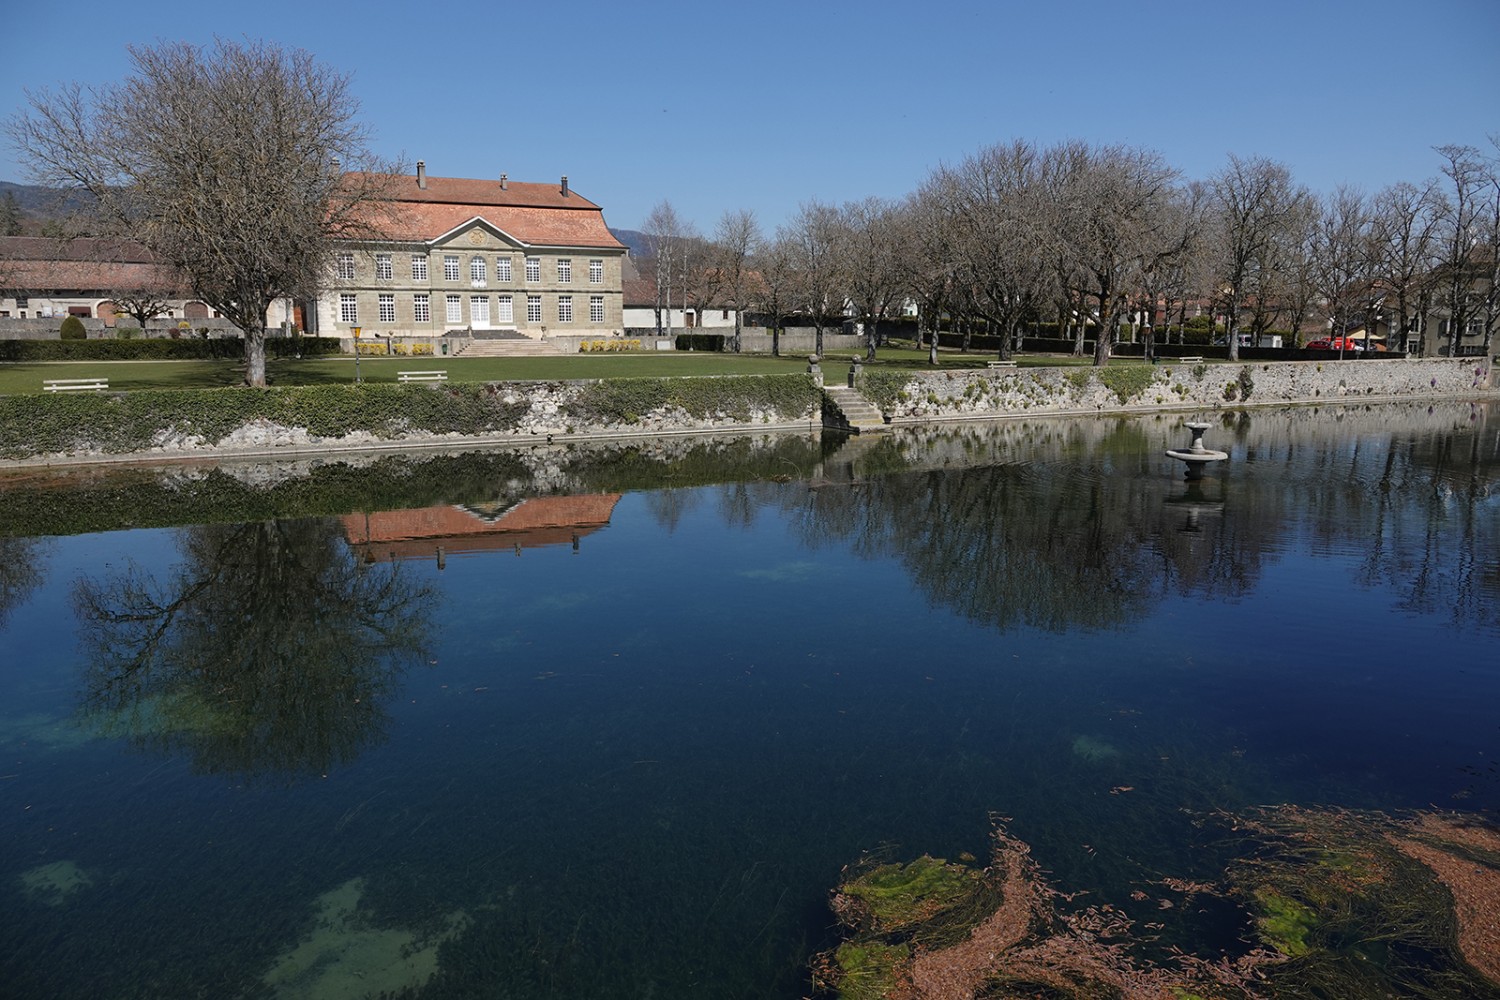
<point>636,240</point>
<point>40,205</point>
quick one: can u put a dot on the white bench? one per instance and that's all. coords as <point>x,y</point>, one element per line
<point>440,376</point>
<point>73,384</point>
<point>1196,359</point>
<point>1000,364</point>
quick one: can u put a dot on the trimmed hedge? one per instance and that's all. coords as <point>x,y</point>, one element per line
<point>160,349</point>
<point>123,422</point>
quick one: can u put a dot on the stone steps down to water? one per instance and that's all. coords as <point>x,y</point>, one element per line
<point>848,410</point>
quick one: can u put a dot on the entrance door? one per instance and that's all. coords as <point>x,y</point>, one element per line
<point>479,312</point>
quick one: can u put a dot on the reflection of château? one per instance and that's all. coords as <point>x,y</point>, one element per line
<point>460,529</point>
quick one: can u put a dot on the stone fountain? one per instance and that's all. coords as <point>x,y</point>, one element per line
<point>1195,456</point>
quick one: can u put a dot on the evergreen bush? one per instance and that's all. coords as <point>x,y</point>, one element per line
<point>72,329</point>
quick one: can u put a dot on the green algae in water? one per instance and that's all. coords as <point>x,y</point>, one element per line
<point>1094,750</point>
<point>346,957</point>
<point>868,969</point>
<point>56,883</point>
<point>1342,904</point>
<point>900,896</point>
<point>1283,923</point>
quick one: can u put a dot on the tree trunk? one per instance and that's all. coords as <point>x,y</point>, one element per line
<point>255,357</point>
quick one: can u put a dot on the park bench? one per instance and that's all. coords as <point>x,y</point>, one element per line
<point>440,376</point>
<point>72,384</point>
<point>1194,359</point>
<point>1000,364</point>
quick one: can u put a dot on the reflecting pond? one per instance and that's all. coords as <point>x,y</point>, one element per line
<point>611,721</point>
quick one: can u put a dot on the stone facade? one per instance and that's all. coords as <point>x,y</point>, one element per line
<point>481,257</point>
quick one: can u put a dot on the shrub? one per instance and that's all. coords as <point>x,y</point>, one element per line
<point>72,329</point>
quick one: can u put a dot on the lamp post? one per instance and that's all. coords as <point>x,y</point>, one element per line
<point>355,330</point>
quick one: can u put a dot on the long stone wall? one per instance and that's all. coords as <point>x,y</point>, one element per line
<point>988,394</point>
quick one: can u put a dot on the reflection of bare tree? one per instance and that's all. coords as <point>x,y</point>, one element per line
<point>1060,524</point>
<point>270,650</point>
<point>20,572</point>
<point>669,506</point>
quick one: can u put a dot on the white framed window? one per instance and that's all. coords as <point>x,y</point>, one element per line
<point>348,308</point>
<point>502,269</point>
<point>346,266</point>
<point>450,268</point>
<point>565,308</point>
<point>505,310</point>
<point>596,272</point>
<point>533,308</point>
<point>383,270</point>
<point>418,267</point>
<point>478,271</point>
<point>387,307</point>
<point>479,310</point>
<point>533,269</point>
<point>455,309</point>
<point>421,308</point>
<point>564,271</point>
<point>596,309</point>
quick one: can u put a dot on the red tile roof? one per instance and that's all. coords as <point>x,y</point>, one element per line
<point>39,265</point>
<point>406,534</point>
<point>535,214</point>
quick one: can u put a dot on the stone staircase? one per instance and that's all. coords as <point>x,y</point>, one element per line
<point>845,409</point>
<point>508,344</point>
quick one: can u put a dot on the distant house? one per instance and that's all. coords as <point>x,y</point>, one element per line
<point>44,278</point>
<point>640,305</point>
<point>479,255</point>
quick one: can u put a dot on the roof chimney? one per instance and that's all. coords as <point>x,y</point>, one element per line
<point>565,185</point>
<point>422,174</point>
<point>338,165</point>
<point>503,182</point>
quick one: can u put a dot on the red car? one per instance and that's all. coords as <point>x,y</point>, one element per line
<point>1335,344</point>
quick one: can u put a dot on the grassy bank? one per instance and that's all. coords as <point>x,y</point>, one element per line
<point>136,421</point>
<point>18,378</point>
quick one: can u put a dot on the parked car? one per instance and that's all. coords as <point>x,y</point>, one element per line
<point>1335,344</point>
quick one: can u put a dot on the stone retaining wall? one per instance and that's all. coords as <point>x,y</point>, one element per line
<point>982,394</point>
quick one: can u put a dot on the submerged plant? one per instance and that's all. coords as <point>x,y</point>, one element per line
<point>1339,904</point>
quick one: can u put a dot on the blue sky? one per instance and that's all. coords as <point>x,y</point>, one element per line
<point>764,106</point>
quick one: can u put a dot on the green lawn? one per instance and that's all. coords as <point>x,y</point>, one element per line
<point>26,377</point>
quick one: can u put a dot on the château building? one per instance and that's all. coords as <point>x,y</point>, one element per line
<point>483,258</point>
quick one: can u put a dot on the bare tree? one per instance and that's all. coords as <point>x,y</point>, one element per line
<point>775,266</point>
<point>1112,225</point>
<point>224,162</point>
<point>867,246</point>
<point>1404,230</point>
<point>813,236</point>
<point>1253,202</point>
<point>737,238</point>
<point>663,239</point>
<point>1462,218</point>
<point>929,256</point>
<point>999,210</point>
<point>1341,259</point>
<point>1165,281</point>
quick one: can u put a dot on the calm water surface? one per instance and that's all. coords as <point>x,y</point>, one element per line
<point>536,726</point>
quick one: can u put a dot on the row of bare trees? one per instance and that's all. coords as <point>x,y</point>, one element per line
<point>1096,238</point>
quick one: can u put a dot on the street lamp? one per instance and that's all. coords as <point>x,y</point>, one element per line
<point>355,331</point>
